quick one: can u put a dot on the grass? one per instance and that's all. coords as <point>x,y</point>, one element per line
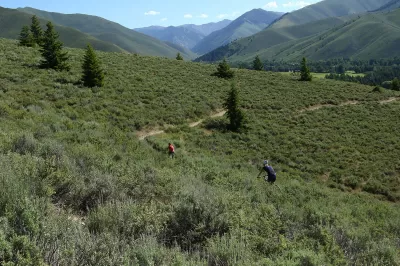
<point>79,188</point>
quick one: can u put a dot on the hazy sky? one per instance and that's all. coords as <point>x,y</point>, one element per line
<point>142,13</point>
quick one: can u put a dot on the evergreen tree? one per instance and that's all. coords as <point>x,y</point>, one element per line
<point>257,64</point>
<point>396,85</point>
<point>224,70</point>
<point>179,57</point>
<point>26,37</point>
<point>52,50</point>
<point>93,75</point>
<point>235,114</point>
<point>305,71</point>
<point>36,30</point>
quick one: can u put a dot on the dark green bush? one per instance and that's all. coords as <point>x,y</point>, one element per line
<point>193,222</point>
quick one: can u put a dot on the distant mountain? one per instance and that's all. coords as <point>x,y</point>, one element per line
<point>277,33</point>
<point>182,50</point>
<point>366,36</point>
<point>186,35</point>
<point>178,35</point>
<point>326,9</point>
<point>373,35</point>
<point>108,31</point>
<point>12,21</point>
<point>207,29</point>
<point>390,6</point>
<point>246,25</point>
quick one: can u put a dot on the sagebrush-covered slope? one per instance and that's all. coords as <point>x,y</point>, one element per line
<point>75,177</point>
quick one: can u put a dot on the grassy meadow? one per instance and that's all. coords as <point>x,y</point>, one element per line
<point>80,188</point>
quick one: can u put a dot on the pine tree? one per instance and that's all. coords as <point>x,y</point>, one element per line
<point>396,85</point>
<point>93,75</point>
<point>305,71</point>
<point>257,64</point>
<point>51,50</point>
<point>36,30</point>
<point>26,37</point>
<point>235,114</point>
<point>179,57</point>
<point>224,70</point>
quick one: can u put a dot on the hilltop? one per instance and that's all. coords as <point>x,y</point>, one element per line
<point>108,31</point>
<point>80,188</point>
<point>12,21</point>
<point>328,8</point>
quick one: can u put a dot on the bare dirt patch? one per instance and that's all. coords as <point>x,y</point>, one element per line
<point>144,134</point>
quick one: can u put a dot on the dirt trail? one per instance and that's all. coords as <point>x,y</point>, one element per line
<point>390,100</point>
<point>319,106</point>
<point>144,134</point>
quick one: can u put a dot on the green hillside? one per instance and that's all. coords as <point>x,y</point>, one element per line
<point>246,25</point>
<point>373,35</point>
<point>328,8</point>
<point>12,21</point>
<point>248,47</point>
<point>80,188</point>
<point>127,39</point>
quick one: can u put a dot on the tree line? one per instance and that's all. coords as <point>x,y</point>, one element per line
<point>54,56</point>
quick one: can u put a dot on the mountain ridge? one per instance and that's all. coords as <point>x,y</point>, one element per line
<point>246,25</point>
<point>109,31</point>
<point>187,35</point>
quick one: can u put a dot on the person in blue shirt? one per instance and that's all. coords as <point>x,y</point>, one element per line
<point>270,173</point>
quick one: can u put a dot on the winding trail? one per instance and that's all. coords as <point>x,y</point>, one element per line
<point>319,106</point>
<point>144,134</point>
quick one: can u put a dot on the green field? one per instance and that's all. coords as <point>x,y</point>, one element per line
<point>80,188</point>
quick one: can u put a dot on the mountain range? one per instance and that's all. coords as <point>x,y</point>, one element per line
<point>248,24</point>
<point>292,36</point>
<point>186,35</point>
<point>328,29</point>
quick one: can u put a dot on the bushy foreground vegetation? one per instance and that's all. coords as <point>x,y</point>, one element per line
<point>79,188</point>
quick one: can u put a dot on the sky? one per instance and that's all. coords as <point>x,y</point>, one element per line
<point>143,13</point>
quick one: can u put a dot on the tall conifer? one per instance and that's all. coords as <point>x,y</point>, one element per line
<point>93,75</point>
<point>52,50</point>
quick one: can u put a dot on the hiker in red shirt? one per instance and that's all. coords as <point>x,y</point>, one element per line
<point>171,150</point>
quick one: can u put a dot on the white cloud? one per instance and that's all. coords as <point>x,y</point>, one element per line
<point>164,19</point>
<point>188,16</point>
<point>271,5</point>
<point>203,16</point>
<point>300,4</point>
<point>152,13</point>
<point>222,16</point>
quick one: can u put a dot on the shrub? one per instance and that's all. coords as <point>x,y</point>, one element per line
<point>25,144</point>
<point>224,70</point>
<point>193,222</point>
